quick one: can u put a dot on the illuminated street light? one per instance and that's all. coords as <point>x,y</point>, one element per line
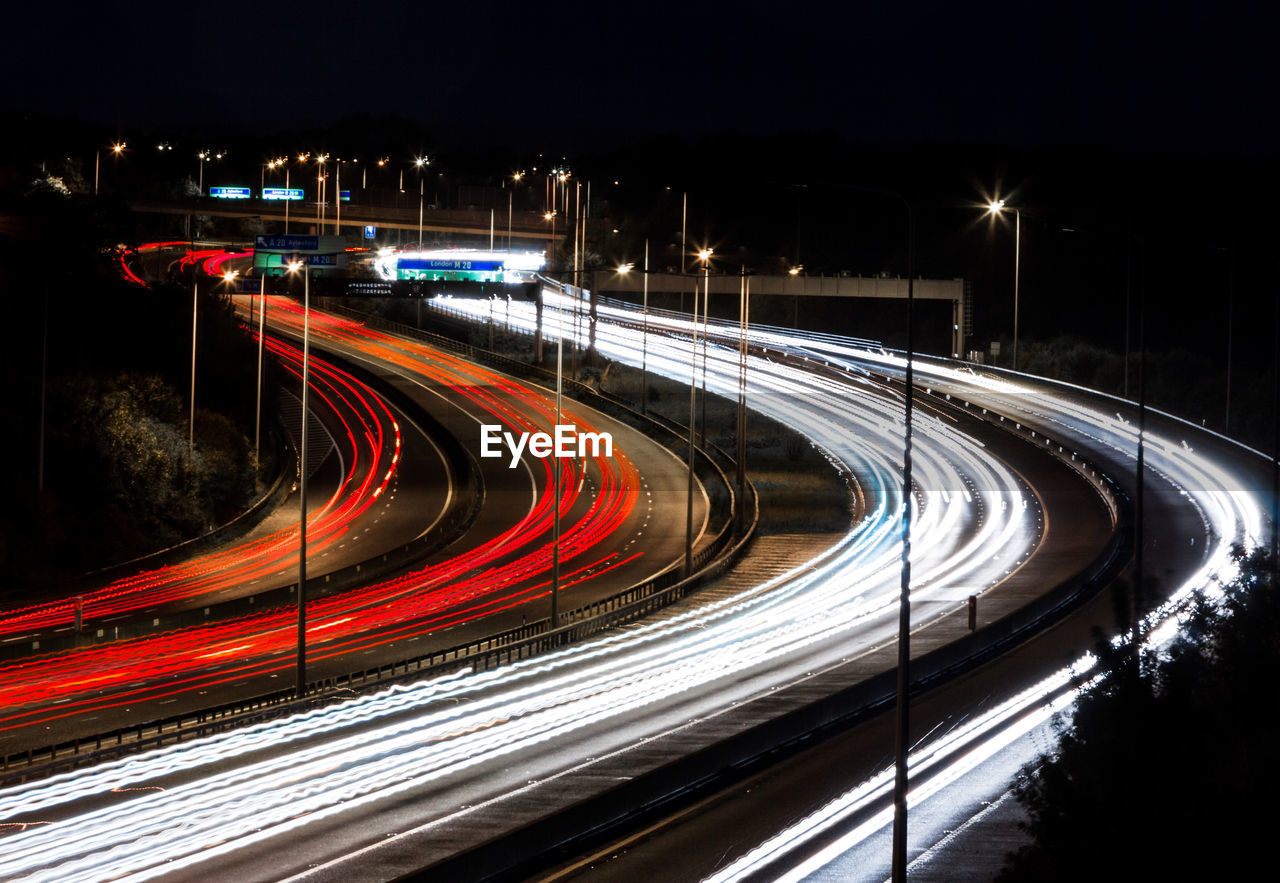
<point>262,322</point>
<point>191,421</point>
<point>321,196</point>
<point>996,207</point>
<point>705,256</point>
<point>117,148</point>
<point>204,156</point>
<point>294,266</point>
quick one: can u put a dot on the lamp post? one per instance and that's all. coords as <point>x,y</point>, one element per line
<point>644,337</point>
<point>117,148</point>
<point>320,194</point>
<point>419,162</point>
<point>205,156</point>
<point>262,323</point>
<point>693,397</point>
<point>705,257</point>
<point>555,473</point>
<point>995,208</point>
<point>795,321</point>
<point>191,422</point>
<point>644,328</point>
<point>302,479</point>
<point>744,321</point>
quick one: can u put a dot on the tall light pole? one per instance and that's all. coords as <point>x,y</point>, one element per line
<point>44,368</point>
<point>320,194</point>
<point>555,472</point>
<point>903,686</point>
<point>744,320</point>
<point>419,162</point>
<point>705,257</point>
<point>262,324</point>
<point>205,156</point>
<point>644,334</point>
<point>191,422</point>
<point>693,399</point>
<point>302,479</point>
<point>511,198</point>
<point>996,208</point>
<point>117,148</point>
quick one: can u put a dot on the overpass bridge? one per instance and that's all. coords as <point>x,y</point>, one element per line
<point>529,228</point>
<point>954,290</point>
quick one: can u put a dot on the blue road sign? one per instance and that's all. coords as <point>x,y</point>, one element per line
<point>286,243</point>
<point>291,193</point>
<point>370,231</point>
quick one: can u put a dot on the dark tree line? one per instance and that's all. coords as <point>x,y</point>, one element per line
<point>116,479</point>
<point>1167,767</point>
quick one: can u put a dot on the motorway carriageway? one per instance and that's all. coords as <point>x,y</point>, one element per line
<point>378,785</point>
<point>500,573</point>
<point>826,812</point>
<point>354,491</point>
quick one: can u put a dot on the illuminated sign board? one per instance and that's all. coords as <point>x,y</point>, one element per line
<point>450,269</point>
<point>346,195</point>
<point>459,265</point>
<point>230,192</point>
<point>291,193</point>
<point>450,264</point>
<point>286,243</point>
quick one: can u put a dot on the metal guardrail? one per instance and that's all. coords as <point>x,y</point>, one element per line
<point>481,654</point>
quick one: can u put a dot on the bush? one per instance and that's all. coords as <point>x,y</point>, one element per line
<point>1164,765</point>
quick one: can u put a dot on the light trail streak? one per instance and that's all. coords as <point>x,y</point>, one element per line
<point>783,622</point>
<point>1230,516</point>
<point>498,574</point>
<point>370,439</point>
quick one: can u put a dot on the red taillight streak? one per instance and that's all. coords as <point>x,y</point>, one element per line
<point>461,580</point>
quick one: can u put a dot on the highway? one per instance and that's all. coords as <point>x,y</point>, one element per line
<point>366,447</point>
<point>496,577</point>
<point>381,785</point>
<point>825,813</point>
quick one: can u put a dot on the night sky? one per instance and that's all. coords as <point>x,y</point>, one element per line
<point>1139,139</point>
<point>1165,77</point>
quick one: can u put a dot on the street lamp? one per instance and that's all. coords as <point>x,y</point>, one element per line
<point>551,217</point>
<point>705,256</point>
<point>191,422</point>
<point>271,164</point>
<point>693,400</point>
<point>321,197</point>
<point>556,471</point>
<point>419,162</point>
<point>302,479</point>
<point>117,148</point>
<point>995,208</point>
<point>205,156</point>
<point>262,322</point>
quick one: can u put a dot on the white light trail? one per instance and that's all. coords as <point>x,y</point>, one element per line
<point>230,791</point>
